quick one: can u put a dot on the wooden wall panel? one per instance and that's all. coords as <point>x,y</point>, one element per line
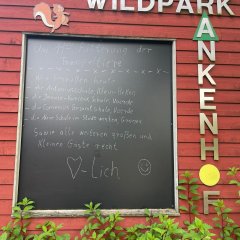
<point>16,17</point>
<point>8,133</point>
<point>8,119</point>
<point>8,105</point>
<point>7,162</point>
<point>223,164</point>
<point>9,78</point>
<point>193,122</point>
<point>193,135</point>
<point>225,84</point>
<point>222,109</point>
<point>11,38</point>
<point>9,91</point>
<point>193,150</point>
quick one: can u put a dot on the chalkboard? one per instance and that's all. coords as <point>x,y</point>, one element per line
<point>97,123</point>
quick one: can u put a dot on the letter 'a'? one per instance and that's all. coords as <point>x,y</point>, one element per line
<point>205,30</point>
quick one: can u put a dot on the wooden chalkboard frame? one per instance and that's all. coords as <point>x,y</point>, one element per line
<point>81,212</point>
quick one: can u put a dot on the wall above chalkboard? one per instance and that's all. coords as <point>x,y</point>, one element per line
<point>97,123</point>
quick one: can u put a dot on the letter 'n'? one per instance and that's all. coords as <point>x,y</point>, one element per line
<point>212,126</point>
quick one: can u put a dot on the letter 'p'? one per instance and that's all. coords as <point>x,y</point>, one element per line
<point>162,3</point>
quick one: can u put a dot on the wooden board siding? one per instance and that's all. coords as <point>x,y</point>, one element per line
<point>17,17</point>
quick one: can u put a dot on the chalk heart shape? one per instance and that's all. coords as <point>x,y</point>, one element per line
<point>74,165</point>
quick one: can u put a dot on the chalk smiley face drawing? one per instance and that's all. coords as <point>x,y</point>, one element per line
<point>144,167</point>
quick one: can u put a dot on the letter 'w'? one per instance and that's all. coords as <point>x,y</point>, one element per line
<point>100,3</point>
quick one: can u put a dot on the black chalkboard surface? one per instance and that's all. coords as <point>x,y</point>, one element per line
<point>97,123</point>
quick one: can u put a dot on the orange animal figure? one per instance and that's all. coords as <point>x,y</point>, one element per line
<point>56,21</point>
